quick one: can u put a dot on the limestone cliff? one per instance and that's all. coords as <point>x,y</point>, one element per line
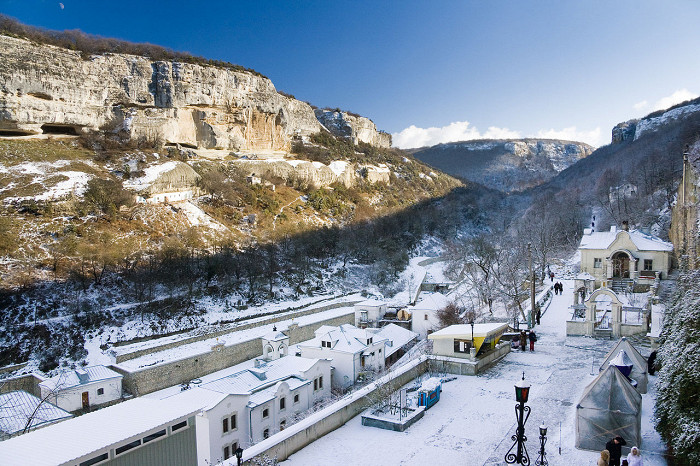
<point>46,89</point>
<point>506,165</point>
<point>684,232</point>
<point>353,127</point>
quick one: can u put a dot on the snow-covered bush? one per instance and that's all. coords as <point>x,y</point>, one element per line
<point>678,400</point>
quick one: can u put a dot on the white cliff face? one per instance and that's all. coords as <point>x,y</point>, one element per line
<point>506,165</point>
<point>650,124</point>
<point>180,103</point>
<point>356,128</point>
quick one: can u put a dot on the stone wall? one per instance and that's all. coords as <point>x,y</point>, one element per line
<point>28,383</point>
<point>157,377</point>
<point>228,329</point>
<point>684,232</point>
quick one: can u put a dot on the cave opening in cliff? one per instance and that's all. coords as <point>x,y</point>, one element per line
<point>59,129</point>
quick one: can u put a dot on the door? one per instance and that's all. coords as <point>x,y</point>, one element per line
<point>86,400</point>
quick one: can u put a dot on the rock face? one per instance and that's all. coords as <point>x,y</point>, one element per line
<point>356,128</point>
<point>50,89</point>
<point>684,232</point>
<point>506,165</point>
<point>317,174</point>
<point>624,131</point>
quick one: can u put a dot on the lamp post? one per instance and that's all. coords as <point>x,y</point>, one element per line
<point>239,455</point>
<point>522,413</point>
<point>542,458</point>
<point>472,324</point>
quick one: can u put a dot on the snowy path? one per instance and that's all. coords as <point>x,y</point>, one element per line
<point>474,420</point>
<point>274,220</point>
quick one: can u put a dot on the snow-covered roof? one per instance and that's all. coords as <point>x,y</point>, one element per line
<point>396,337</point>
<point>430,384</point>
<point>70,440</point>
<point>269,393</point>
<point>345,338</point>
<point>17,408</point>
<point>252,380</point>
<point>275,335</point>
<point>643,241</point>
<point>430,302</point>
<point>70,379</point>
<point>371,303</point>
<point>585,276</point>
<point>465,330</point>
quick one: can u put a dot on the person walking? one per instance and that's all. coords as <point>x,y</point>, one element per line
<point>523,340</point>
<point>604,459</point>
<point>614,446</point>
<point>533,338</point>
<point>634,458</point>
<point>539,315</point>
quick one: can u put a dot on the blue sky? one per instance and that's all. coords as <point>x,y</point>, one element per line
<point>436,70</point>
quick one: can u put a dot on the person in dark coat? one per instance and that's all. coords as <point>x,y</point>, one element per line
<point>651,363</point>
<point>538,315</point>
<point>533,338</point>
<point>614,446</point>
<point>523,340</point>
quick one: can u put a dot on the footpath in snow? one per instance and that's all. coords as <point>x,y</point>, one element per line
<point>475,418</point>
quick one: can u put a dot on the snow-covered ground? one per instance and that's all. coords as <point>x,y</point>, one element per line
<point>474,420</point>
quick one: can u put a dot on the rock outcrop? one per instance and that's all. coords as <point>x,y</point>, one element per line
<point>506,165</point>
<point>624,131</point>
<point>49,89</point>
<point>317,174</point>
<point>353,127</point>
<point>685,229</point>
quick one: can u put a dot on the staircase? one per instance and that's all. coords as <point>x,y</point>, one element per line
<point>602,333</point>
<point>621,285</point>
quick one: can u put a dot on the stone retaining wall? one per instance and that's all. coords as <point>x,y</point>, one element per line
<point>29,383</point>
<point>150,379</point>
<point>230,328</point>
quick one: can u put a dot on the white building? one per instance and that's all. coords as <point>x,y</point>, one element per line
<point>83,388</point>
<point>424,313</point>
<point>250,405</point>
<point>352,350</point>
<point>368,313</point>
<point>624,255</point>
<point>21,411</point>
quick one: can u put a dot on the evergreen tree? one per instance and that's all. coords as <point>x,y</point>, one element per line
<point>678,399</point>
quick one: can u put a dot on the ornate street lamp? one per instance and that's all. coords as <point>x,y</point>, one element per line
<point>472,324</point>
<point>522,413</point>
<point>542,458</point>
<point>239,455</point>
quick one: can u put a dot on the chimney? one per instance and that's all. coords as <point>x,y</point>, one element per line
<point>83,376</point>
<point>625,225</point>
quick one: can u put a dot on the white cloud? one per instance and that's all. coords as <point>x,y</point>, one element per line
<point>641,105</point>
<point>677,97</point>
<point>456,131</point>
<point>593,137</point>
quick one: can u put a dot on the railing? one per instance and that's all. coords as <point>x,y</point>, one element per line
<point>604,321</point>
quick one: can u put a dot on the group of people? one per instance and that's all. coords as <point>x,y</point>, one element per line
<point>558,288</point>
<point>613,453</point>
<point>521,340</point>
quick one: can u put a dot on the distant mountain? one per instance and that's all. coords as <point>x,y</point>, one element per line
<point>506,165</point>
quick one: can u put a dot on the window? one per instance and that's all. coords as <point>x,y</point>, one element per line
<point>425,317</point>
<point>266,433</point>
<point>234,422</point>
<point>380,351</point>
<point>462,346</point>
<point>369,341</point>
<point>127,447</point>
<point>283,424</point>
<point>597,263</point>
<point>648,264</point>
<point>325,344</point>
<point>226,453</point>
<point>363,316</point>
<point>225,425</point>
<point>100,391</point>
<point>296,398</point>
<point>283,402</point>
<point>154,436</point>
<point>315,384</point>
<point>320,382</point>
<point>178,426</point>
<point>266,412</point>
<point>95,460</point>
